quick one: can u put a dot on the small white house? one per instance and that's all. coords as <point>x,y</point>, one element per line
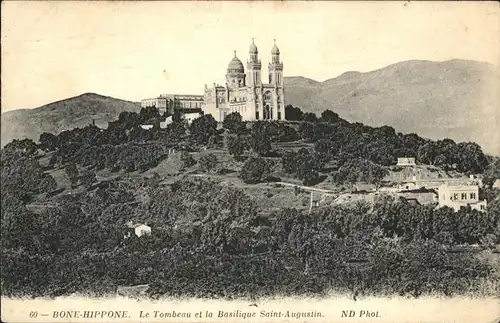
<point>142,230</point>
<point>147,126</point>
<point>406,161</point>
<point>139,229</point>
<point>496,184</point>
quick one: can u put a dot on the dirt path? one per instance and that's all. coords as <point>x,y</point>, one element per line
<point>307,188</point>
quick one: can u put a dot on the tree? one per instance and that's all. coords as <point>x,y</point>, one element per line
<point>16,223</point>
<point>215,141</point>
<point>427,153</point>
<point>448,155</point>
<point>208,162</point>
<point>176,117</point>
<point>255,169</point>
<point>149,113</point>
<point>21,175</point>
<point>471,158</point>
<point>177,129</point>
<point>292,114</point>
<point>236,146</point>
<point>309,131</point>
<point>308,170</point>
<point>48,141</point>
<point>329,116</point>
<point>234,123</point>
<point>202,128</point>
<point>324,148</point>
<point>359,170</point>
<point>260,138</point>
<point>187,159</point>
<point>289,162</point>
<point>128,120</point>
<point>27,146</point>
<point>492,173</point>
<point>286,133</point>
<point>309,117</point>
<point>72,172</point>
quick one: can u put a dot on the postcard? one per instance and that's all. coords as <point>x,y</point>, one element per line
<point>267,161</point>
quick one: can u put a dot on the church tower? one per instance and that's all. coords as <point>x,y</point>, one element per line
<point>275,67</point>
<point>253,67</point>
<point>276,79</point>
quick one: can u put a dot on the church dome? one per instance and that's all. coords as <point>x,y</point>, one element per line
<point>253,48</point>
<point>275,49</point>
<point>235,65</point>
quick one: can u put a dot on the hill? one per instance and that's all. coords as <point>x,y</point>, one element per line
<point>63,115</point>
<point>457,99</point>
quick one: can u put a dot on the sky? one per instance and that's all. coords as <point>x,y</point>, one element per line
<point>133,50</point>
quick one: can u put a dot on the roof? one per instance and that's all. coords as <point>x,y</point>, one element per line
<point>135,225</point>
<point>412,200</point>
<point>496,183</point>
<point>275,49</point>
<point>235,65</point>
<point>419,190</point>
<point>253,48</point>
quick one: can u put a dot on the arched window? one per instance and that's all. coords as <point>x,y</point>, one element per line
<point>268,96</point>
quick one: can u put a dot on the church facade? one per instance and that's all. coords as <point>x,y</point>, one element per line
<point>245,93</point>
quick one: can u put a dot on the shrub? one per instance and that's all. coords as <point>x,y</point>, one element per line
<point>236,146</point>
<point>202,128</point>
<point>261,138</point>
<point>233,123</point>
<point>187,160</point>
<point>72,172</point>
<point>208,162</point>
<point>256,169</point>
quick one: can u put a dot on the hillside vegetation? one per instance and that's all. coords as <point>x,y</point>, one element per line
<point>222,224</point>
<point>457,99</point>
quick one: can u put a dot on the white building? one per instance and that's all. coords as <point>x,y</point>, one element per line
<point>189,117</point>
<point>139,229</point>
<point>147,126</point>
<point>165,123</point>
<point>496,184</point>
<point>244,91</point>
<point>169,103</point>
<point>406,161</point>
<point>458,196</point>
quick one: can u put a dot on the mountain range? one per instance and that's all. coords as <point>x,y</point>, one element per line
<point>456,99</point>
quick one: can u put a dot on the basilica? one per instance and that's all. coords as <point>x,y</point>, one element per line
<point>245,93</point>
